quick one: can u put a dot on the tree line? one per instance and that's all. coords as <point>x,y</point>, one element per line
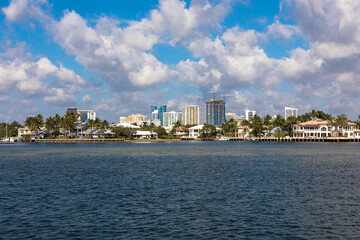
<point>267,123</point>
<point>54,124</point>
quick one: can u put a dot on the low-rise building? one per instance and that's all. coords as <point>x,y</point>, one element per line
<point>97,133</point>
<point>242,132</point>
<point>144,134</point>
<point>127,125</point>
<point>24,132</point>
<point>321,129</point>
<point>181,132</point>
<point>194,132</point>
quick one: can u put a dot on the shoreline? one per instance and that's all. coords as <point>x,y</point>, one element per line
<point>233,139</point>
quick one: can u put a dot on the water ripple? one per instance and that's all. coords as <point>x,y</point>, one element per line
<point>184,190</point>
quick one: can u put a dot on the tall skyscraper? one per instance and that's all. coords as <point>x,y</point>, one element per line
<point>215,112</point>
<point>191,114</point>
<point>249,114</point>
<point>169,118</point>
<point>160,111</point>
<point>289,111</point>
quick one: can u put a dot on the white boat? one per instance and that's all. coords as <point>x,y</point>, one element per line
<point>223,138</point>
<point>6,140</point>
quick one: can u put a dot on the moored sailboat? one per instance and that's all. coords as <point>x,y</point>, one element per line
<point>6,140</point>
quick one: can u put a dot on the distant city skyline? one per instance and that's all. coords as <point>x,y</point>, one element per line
<point>120,57</point>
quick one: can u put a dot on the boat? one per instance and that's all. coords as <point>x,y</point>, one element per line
<point>223,138</point>
<point>6,140</point>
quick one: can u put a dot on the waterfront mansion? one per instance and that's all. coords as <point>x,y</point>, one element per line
<point>321,128</point>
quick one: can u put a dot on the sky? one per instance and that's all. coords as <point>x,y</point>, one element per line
<point>121,57</point>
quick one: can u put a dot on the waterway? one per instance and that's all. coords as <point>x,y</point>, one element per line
<point>181,190</point>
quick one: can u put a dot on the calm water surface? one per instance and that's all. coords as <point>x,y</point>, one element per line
<point>187,190</point>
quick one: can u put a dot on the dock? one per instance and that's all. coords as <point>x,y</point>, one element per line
<point>294,139</point>
<point>80,140</point>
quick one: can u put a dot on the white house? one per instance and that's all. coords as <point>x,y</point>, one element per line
<point>181,132</point>
<point>127,125</point>
<point>242,131</point>
<point>321,128</point>
<point>97,133</point>
<point>144,134</point>
<point>194,132</point>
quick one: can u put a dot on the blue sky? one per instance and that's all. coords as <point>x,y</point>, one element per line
<point>120,57</point>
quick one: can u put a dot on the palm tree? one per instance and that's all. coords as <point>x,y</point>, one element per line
<point>208,131</point>
<point>90,124</point>
<point>152,126</point>
<point>314,114</point>
<point>57,122</point>
<point>245,123</point>
<point>97,123</point>
<point>279,121</point>
<point>305,117</point>
<point>333,123</point>
<point>50,125</point>
<point>256,125</point>
<point>267,120</point>
<point>229,127</point>
<point>30,123</point>
<point>290,121</point>
<point>105,125</point>
<point>342,121</point>
<point>177,124</point>
<point>68,122</point>
<point>34,123</point>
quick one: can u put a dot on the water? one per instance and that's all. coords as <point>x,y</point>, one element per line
<point>187,190</point>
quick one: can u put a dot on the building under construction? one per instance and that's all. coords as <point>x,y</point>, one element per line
<point>215,112</point>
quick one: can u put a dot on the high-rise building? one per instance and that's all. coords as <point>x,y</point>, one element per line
<point>156,122</point>
<point>215,112</point>
<point>155,115</point>
<point>136,119</point>
<point>87,115</point>
<point>249,114</point>
<point>123,120</point>
<point>71,110</point>
<point>229,116</point>
<point>169,118</point>
<point>84,115</point>
<point>191,114</point>
<point>160,111</point>
<point>289,111</point>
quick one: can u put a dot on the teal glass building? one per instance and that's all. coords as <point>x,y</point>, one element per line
<point>161,110</point>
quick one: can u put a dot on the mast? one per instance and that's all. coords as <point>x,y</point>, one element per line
<point>6,130</point>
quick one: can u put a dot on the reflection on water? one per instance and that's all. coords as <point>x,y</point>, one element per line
<point>180,190</point>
